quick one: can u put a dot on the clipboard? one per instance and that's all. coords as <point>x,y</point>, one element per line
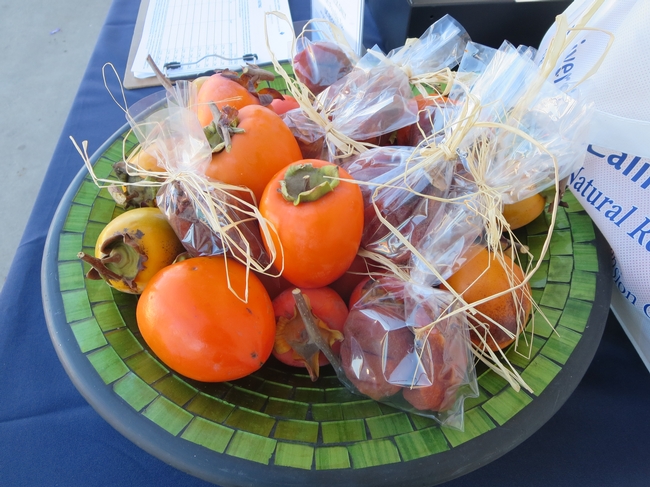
<point>130,81</point>
<point>133,82</point>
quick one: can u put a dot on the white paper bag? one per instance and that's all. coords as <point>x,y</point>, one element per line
<point>614,183</point>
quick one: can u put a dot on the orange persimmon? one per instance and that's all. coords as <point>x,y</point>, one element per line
<point>483,276</point>
<point>318,218</point>
<point>265,146</point>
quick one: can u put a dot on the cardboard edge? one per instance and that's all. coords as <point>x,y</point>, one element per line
<point>130,81</point>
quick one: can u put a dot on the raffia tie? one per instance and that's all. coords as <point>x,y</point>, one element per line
<point>203,194</point>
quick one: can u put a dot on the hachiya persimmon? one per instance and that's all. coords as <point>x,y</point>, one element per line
<point>264,146</point>
<point>292,343</point>
<point>523,212</point>
<point>197,326</point>
<point>483,276</point>
<point>317,214</point>
<point>221,90</point>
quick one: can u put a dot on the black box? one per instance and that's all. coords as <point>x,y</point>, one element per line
<point>487,22</point>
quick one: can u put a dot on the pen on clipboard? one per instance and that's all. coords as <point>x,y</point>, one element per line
<point>170,66</point>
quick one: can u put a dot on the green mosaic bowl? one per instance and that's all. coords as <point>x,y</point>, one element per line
<point>276,427</point>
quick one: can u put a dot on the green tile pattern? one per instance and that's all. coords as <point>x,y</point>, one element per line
<point>419,444</point>
<point>304,431</point>
<point>332,458</point>
<point>108,364</point>
<point>168,415</point>
<point>208,434</point>
<point>343,431</point>
<point>373,452</point>
<point>287,409</point>
<point>210,407</point>
<point>135,391</point>
<point>88,334</point>
<point>561,344</point>
<point>389,425</point>
<point>252,421</point>
<point>541,371</point>
<point>251,447</point>
<point>506,404</point>
<point>476,422</point>
<point>175,389</point>
<point>279,416</point>
<point>292,455</point>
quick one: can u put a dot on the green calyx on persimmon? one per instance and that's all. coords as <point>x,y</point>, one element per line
<point>303,183</point>
<point>133,247</point>
<point>122,260</point>
<point>224,124</point>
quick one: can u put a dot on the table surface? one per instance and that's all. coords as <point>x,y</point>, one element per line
<point>49,435</point>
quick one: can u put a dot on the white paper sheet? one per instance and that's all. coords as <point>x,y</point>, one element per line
<point>614,184</point>
<point>185,31</point>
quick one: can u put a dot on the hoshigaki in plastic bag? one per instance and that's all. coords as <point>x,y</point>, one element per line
<point>187,216</point>
<point>434,114</point>
<point>441,46</point>
<point>375,98</point>
<point>403,347</point>
<point>451,236</point>
<point>205,214</point>
<point>358,108</point>
<point>394,190</point>
<point>323,56</point>
<point>524,133</point>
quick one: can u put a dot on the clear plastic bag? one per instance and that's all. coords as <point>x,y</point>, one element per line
<point>207,218</point>
<point>376,97</point>
<point>400,349</point>
<point>451,237</point>
<point>527,130</point>
<point>396,198</point>
<point>441,46</point>
<point>186,215</point>
<point>319,64</point>
<point>323,55</point>
<point>358,108</point>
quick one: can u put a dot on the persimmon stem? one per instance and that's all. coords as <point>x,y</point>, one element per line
<point>164,80</point>
<point>112,259</point>
<point>99,267</point>
<point>257,74</point>
<point>316,337</point>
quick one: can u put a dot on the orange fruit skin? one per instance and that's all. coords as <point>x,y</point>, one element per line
<point>222,91</point>
<point>502,309</point>
<point>523,212</point>
<point>197,326</point>
<point>283,106</point>
<point>256,155</point>
<point>319,239</point>
<point>144,160</point>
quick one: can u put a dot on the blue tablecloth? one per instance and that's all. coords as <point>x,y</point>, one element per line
<point>49,435</point>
